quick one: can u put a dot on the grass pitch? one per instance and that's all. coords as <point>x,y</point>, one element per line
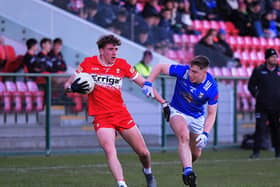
<point>222,168</point>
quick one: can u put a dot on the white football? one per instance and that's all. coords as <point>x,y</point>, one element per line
<point>85,77</point>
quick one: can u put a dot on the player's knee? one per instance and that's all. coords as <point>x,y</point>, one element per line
<point>109,150</point>
<point>144,153</point>
<point>183,138</point>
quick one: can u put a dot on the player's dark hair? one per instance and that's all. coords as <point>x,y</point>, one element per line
<point>57,41</point>
<point>30,43</point>
<point>108,39</point>
<point>45,40</point>
<point>201,61</point>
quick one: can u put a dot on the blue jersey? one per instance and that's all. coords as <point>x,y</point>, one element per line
<point>188,97</point>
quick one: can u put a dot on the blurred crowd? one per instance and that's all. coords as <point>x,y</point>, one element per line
<point>152,23</point>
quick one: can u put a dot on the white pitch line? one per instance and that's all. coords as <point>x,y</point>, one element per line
<point>164,163</point>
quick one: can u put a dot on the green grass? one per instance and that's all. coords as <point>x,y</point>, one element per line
<point>222,168</point>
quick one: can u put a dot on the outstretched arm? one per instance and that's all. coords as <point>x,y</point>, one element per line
<point>202,139</point>
<point>210,119</point>
<point>159,68</point>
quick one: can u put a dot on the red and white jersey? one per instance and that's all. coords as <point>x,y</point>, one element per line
<point>106,96</point>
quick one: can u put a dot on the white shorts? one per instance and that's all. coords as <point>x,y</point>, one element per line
<point>195,125</point>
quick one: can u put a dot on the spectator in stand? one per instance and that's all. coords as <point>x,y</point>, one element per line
<point>75,6</point>
<point>122,23</point>
<point>105,13</point>
<point>225,48</point>
<point>269,24</point>
<point>209,8</point>
<point>30,59</point>
<point>165,25</point>
<point>242,21</point>
<point>222,43</point>
<point>207,47</point>
<point>254,12</point>
<point>44,63</point>
<point>184,20</point>
<point>275,6</point>
<point>90,12</point>
<point>58,63</point>
<point>142,36</point>
<point>228,8</point>
<point>151,8</point>
<point>143,67</point>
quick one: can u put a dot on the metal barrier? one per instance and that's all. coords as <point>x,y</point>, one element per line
<point>161,141</point>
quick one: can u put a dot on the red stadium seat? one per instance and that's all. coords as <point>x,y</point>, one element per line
<point>217,72</point>
<point>38,96</point>
<point>197,25</point>
<point>214,24</point>
<point>17,100</point>
<point>263,43</point>
<point>78,101</point>
<point>270,43</point>
<point>5,99</point>
<point>177,39</point>
<point>277,43</point>
<point>256,43</point>
<point>240,43</point>
<point>9,52</point>
<point>13,66</point>
<point>171,54</point>
<point>27,95</point>
<point>248,43</point>
<point>2,53</point>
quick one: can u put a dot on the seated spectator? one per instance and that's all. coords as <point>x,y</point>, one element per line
<point>222,43</point>
<point>30,58</point>
<point>184,20</point>
<point>165,33</point>
<point>122,23</point>
<point>75,6</point>
<point>242,21</point>
<point>207,47</point>
<point>90,12</point>
<point>269,24</point>
<point>105,13</point>
<point>130,6</point>
<point>254,12</point>
<point>227,8</point>
<point>151,8</point>
<point>142,36</point>
<point>58,63</point>
<point>208,8</point>
<point>44,63</point>
<point>143,67</point>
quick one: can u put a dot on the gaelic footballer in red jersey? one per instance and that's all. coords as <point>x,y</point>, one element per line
<point>105,103</point>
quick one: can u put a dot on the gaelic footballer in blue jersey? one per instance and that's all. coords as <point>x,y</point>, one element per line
<point>194,88</point>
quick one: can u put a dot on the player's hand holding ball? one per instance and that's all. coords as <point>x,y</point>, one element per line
<point>148,90</point>
<point>166,110</point>
<point>202,140</point>
<point>83,83</point>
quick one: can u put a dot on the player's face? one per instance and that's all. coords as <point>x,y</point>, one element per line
<point>109,53</point>
<point>272,60</point>
<point>196,74</point>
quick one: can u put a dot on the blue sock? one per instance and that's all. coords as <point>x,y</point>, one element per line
<point>187,170</point>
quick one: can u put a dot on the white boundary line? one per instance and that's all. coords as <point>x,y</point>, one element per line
<point>163,163</point>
